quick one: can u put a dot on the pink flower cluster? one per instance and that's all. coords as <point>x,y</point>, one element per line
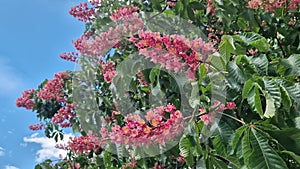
<point>210,7</point>
<point>82,12</point>
<point>84,144</point>
<point>35,127</point>
<point>173,52</point>
<point>208,118</point>
<point>101,44</point>
<point>123,13</point>
<point>53,89</point>
<point>26,100</point>
<point>271,5</point>
<point>69,56</point>
<point>158,128</point>
<point>64,116</point>
<point>108,71</point>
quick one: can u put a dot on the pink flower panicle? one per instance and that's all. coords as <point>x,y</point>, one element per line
<point>64,116</point>
<point>108,71</point>
<point>123,12</point>
<point>158,128</point>
<point>36,127</point>
<point>171,3</point>
<point>26,100</point>
<point>271,5</point>
<point>95,2</point>
<point>53,89</point>
<point>85,144</point>
<point>69,56</point>
<point>173,52</point>
<point>82,12</point>
<point>101,44</point>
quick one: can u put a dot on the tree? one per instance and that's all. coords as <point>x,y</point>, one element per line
<point>151,91</point>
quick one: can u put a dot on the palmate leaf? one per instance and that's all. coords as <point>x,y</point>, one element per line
<point>237,137</point>
<point>246,65</point>
<point>258,154</point>
<point>292,65</point>
<point>253,39</point>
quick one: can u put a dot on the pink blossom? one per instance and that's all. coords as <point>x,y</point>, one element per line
<point>86,144</point>
<point>26,100</point>
<point>53,89</point>
<point>38,126</point>
<point>123,12</point>
<point>230,105</point>
<point>64,116</point>
<point>205,118</point>
<point>82,12</point>
<point>108,71</point>
<point>69,56</point>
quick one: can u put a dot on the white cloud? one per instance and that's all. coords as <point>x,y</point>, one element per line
<point>10,167</point>
<point>1,151</point>
<point>10,81</point>
<point>48,149</point>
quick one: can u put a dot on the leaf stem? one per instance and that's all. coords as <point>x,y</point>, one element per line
<point>234,118</point>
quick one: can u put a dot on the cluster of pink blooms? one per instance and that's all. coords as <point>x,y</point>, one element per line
<point>208,118</point>
<point>84,144</point>
<point>64,116</point>
<point>101,44</point>
<point>158,128</point>
<point>173,52</point>
<point>123,13</point>
<point>26,100</point>
<point>53,89</point>
<point>35,127</point>
<point>211,7</point>
<point>271,5</point>
<point>82,12</point>
<point>69,56</point>
<point>108,71</point>
<point>95,2</point>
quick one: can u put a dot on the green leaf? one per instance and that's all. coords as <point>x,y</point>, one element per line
<point>186,150</point>
<point>217,163</point>
<point>293,155</point>
<point>246,65</point>
<point>237,137</point>
<point>263,156</point>
<point>246,147</point>
<point>249,84</point>
<point>293,90</point>
<point>226,48</point>
<point>273,90</point>
<point>286,100</point>
<point>253,39</point>
<point>292,65</point>
<point>255,101</point>
<point>261,63</point>
<point>289,138</point>
<point>235,72</point>
<point>270,107</point>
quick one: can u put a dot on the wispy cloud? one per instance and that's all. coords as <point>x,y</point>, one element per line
<point>10,167</point>
<point>48,149</point>
<point>1,151</point>
<point>9,79</point>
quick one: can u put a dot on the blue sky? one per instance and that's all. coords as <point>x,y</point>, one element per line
<point>33,33</point>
